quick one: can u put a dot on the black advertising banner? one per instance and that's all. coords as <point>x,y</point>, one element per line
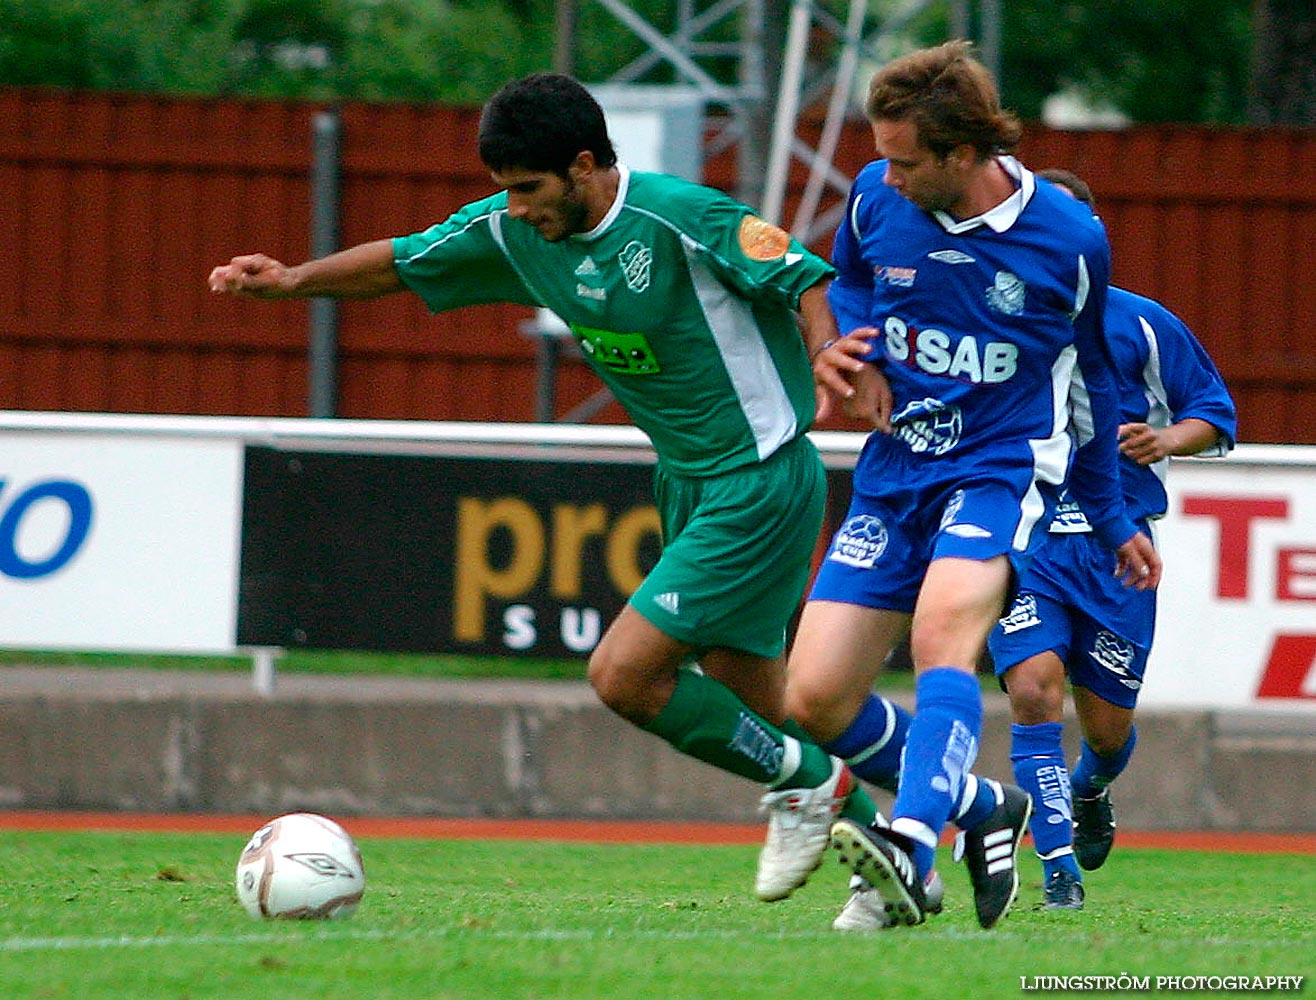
<point>440,554</point>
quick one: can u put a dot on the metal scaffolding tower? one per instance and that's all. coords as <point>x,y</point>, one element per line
<point>775,80</point>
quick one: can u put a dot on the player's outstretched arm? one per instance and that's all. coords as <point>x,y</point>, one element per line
<point>362,272</point>
<point>1147,445</point>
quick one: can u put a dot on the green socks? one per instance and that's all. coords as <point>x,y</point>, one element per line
<point>705,720</point>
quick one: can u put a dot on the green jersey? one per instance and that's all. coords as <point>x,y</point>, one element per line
<point>681,299</point>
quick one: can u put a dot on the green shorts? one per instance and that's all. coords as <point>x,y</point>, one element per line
<point>737,552</point>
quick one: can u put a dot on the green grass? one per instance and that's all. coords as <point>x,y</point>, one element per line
<point>144,916</point>
<point>368,664</point>
<point>307,661</point>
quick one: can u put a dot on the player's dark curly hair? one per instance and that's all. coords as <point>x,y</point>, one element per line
<point>1073,183</point>
<point>949,96</point>
<point>542,122</point>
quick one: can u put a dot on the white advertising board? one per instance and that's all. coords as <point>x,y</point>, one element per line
<point>119,543</point>
<point>123,533</point>
<point>1237,619</point>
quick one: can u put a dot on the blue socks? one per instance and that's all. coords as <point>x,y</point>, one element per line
<point>939,751</point>
<point>874,741</point>
<point>1039,769</point>
<point>1093,772</point>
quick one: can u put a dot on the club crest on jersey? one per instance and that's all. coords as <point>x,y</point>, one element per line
<point>762,241</point>
<point>1023,614</point>
<point>860,542</point>
<point>1115,655</point>
<point>900,277</point>
<point>1007,294</point>
<point>928,425</point>
<point>636,261</point>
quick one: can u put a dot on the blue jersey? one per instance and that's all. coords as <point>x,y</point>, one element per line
<point>1164,376</point>
<point>983,326</point>
<point>1069,601</point>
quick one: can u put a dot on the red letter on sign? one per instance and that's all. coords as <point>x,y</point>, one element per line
<point>1295,575</point>
<point>1291,660</point>
<point>1235,516</point>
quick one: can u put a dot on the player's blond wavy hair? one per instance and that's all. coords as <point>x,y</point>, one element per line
<point>949,96</point>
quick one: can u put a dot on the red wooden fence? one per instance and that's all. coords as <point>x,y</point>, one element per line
<point>113,209</point>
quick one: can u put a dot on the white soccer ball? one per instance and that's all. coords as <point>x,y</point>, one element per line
<point>300,867</point>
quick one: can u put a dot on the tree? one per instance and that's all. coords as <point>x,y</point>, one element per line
<point>1156,60</point>
<point>1283,80</point>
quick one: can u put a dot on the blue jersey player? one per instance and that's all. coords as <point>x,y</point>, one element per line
<point>1070,618</point>
<point>977,294</point>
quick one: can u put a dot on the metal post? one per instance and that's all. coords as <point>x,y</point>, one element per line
<point>564,49</point>
<point>264,661</point>
<point>788,101</point>
<point>322,353</point>
<point>990,21</point>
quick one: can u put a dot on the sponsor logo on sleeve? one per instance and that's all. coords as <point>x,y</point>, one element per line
<point>900,277</point>
<point>762,241</point>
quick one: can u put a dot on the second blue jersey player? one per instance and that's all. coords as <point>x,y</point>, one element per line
<point>1072,620</point>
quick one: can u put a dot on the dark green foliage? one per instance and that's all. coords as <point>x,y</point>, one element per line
<point>1158,61</point>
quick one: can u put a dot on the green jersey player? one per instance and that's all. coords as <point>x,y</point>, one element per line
<point>690,308</point>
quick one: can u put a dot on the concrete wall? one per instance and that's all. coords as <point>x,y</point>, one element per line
<point>199,742</point>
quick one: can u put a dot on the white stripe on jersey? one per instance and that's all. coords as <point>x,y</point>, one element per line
<point>1158,406</point>
<point>1080,409</point>
<point>1084,287</point>
<point>1031,510</point>
<point>493,217</point>
<point>755,379</point>
<point>496,231</point>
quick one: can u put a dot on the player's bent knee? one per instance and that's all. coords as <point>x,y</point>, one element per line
<point>822,715</point>
<point>632,695</point>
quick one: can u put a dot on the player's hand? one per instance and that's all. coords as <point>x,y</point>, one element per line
<point>253,275</point>
<point>1143,443</point>
<point>841,374</point>
<point>1138,564</point>
<point>872,399</point>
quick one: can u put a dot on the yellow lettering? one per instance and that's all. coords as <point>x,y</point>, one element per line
<point>476,578</point>
<point>572,527</point>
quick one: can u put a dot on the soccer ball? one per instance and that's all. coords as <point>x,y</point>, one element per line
<point>300,867</point>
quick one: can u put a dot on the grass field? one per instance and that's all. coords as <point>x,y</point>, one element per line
<point>320,661</point>
<point>151,915</point>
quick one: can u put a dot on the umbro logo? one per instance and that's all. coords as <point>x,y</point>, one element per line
<point>951,257</point>
<point>968,531</point>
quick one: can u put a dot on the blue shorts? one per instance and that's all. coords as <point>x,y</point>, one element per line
<point>881,552</point>
<point>1071,603</point>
